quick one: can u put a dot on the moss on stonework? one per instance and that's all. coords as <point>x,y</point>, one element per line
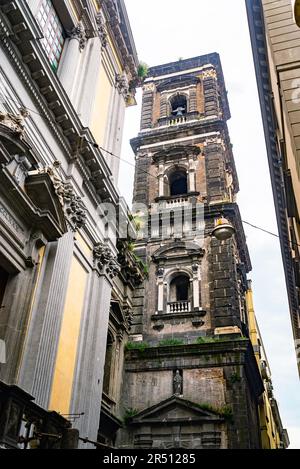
<point>235,378</point>
<point>129,414</point>
<point>225,411</point>
<point>215,340</point>
<point>171,342</point>
<point>140,346</point>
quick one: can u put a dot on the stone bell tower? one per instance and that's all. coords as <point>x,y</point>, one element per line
<point>190,378</point>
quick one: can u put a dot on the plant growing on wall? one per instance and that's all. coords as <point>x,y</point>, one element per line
<point>129,413</point>
<point>143,70</point>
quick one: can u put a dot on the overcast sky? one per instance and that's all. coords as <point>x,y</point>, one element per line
<point>165,30</point>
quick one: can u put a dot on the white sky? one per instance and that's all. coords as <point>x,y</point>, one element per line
<point>163,32</point>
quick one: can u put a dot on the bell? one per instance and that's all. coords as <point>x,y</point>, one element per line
<point>297,11</point>
<point>223,230</point>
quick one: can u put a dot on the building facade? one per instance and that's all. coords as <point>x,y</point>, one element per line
<point>191,379</point>
<point>275,41</point>
<point>68,70</point>
<point>273,435</point>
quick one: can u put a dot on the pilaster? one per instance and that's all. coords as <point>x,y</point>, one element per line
<point>39,355</point>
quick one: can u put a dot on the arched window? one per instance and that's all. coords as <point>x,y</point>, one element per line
<point>180,288</point>
<point>179,105</point>
<point>178,182</point>
<point>108,364</point>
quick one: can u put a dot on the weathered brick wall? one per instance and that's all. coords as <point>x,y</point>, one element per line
<point>224,296</point>
<point>215,172</point>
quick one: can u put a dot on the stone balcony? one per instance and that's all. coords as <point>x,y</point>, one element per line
<point>179,307</point>
<point>179,120</point>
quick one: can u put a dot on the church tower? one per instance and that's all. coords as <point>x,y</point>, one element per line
<point>190,377</point>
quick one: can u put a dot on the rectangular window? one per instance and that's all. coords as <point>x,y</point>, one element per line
<point>53,32</point>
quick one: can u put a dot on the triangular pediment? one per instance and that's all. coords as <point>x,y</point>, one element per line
<point>176,409</point>
<point>178,249</point>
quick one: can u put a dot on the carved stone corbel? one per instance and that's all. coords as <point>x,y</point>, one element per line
<point>15,122</point>
<point>125,88</point>
<point>78,32</point>
<point>102,31</point>
<point>72,204</point>
<point>129,316</point>
<point>105,261</point>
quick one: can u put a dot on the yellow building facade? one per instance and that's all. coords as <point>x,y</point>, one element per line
<point>273,436</point>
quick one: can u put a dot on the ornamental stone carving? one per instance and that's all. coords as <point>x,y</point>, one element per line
<point>72,204</point>
<point>102,31</point>
<point>105,260</point>
<point>209,74</point>
<point>15,122</point>
<point>78,32</point>
<point>129,316</point>
<point>122,86</point>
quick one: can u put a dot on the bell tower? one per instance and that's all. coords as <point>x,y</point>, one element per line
<point>191,379</point>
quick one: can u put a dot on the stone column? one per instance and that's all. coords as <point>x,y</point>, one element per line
<point>39,355</point>
<point>90,80</point>
<point>89,373</point>
<point>211,98</point>
<point>196,287</point>
<point>70,66</point>
<point>163,106</point>
<point>161,183</point>
<point>191,176</point>
<point>193,101</point>
<point>147,106</point>
<point>160,286</point>
<point>88,383</point>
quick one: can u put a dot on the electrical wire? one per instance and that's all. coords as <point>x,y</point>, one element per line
<point>95,145</point>
<point>269,233</point>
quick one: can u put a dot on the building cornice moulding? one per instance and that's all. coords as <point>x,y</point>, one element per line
<point>34,72</point>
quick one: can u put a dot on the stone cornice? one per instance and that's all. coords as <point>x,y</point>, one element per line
<point>159,134</point>
<point>114,28</point>
<point>20,42</point>
<point>236,347</point>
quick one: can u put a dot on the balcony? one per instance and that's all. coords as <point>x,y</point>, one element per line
<point>179,307</point>
<point>179,120</point>
<point>25,425</point>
